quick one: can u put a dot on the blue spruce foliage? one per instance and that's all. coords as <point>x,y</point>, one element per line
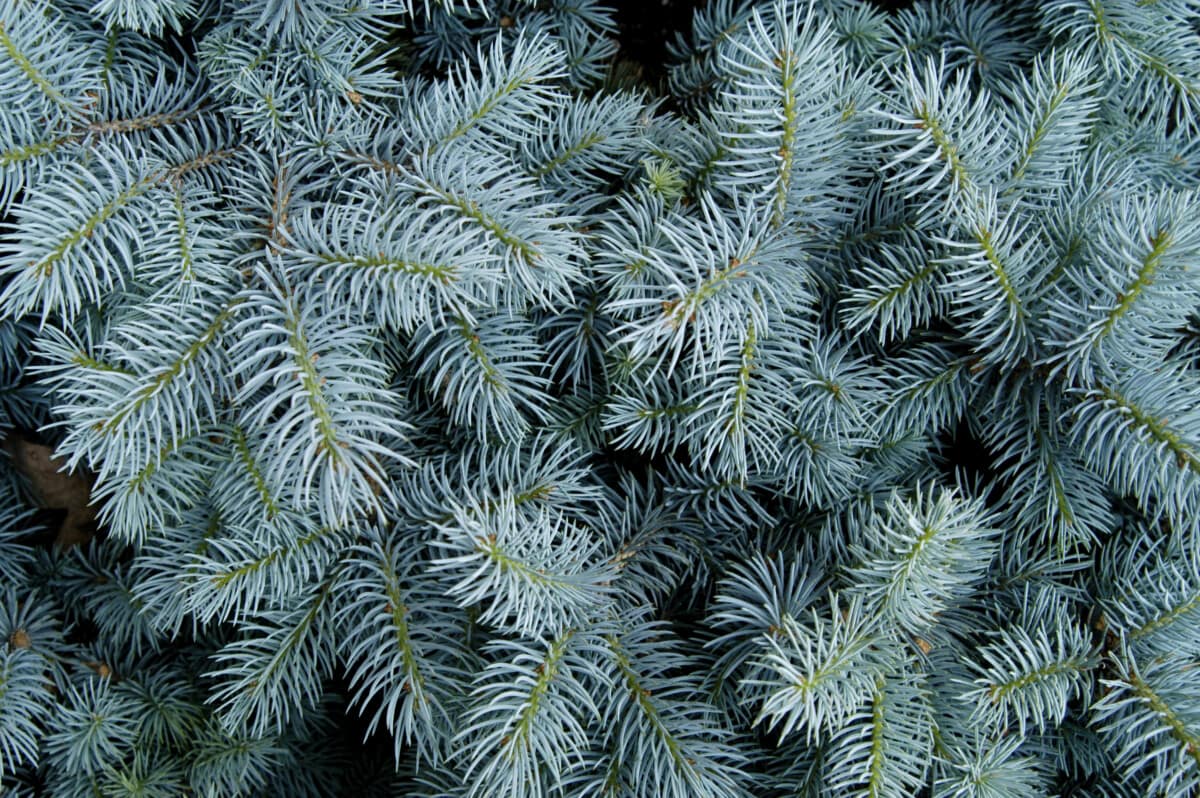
<point>425,399</point>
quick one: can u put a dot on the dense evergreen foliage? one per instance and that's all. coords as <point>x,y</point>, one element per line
<point>466,409</point>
